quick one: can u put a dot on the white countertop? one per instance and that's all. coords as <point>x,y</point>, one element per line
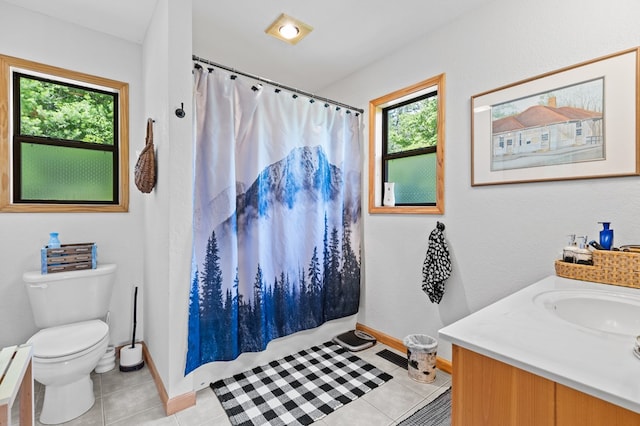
<point>523,334</point>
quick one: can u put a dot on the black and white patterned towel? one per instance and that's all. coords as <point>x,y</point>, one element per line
<point>298,389</point>
<point>437,265</point>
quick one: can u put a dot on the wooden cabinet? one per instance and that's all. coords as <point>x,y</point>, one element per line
<point>577,408</point>
<point>487,392</point>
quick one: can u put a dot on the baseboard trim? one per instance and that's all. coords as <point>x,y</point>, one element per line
<point>170,405</point>
<point>392,342</point>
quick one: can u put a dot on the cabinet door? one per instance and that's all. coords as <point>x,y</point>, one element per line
<point>576,408</point>
<point>486,392</point>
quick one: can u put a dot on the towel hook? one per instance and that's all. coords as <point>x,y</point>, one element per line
<point>180,111</point>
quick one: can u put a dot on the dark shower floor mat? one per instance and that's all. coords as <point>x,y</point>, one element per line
<point>393,357</point>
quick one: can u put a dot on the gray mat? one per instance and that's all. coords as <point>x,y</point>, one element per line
<point>399,360</point>
<point>435,413</point>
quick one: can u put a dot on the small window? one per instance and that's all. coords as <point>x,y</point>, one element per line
<point>406,147</point>
<point>409,142</point>
<point>68,146</point>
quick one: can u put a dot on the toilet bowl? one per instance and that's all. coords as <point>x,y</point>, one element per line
<point>68,308</point>
<point>63,358</point>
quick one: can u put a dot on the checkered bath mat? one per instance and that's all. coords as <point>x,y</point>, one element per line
<point>298,389</point>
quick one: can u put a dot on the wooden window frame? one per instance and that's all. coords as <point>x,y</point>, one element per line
<point>7,65</point>
<point>376,106</point>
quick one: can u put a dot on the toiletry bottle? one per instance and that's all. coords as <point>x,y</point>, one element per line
<point>389,194</point>
<point>583,254</point>
<point>54,242</point>
<point>606,236</point>
<point>568,253</point>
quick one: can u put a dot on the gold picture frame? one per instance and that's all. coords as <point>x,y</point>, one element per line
<point>578,122</point>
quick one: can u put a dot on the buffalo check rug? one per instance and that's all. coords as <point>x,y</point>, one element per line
<point>298,389</point>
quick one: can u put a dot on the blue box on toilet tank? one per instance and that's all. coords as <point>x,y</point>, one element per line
<point>68,257</point>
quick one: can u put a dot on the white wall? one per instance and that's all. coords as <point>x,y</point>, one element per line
<point>42,39</point>
<point>167,210</point>
<point>503,237</point>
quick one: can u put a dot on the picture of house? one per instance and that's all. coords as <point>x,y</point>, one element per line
<point>548,134</point>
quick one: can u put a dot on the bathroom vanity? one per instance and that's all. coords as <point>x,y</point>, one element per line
<point>558,352</point>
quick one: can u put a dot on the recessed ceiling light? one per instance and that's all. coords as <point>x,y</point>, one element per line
<point>288,29</point>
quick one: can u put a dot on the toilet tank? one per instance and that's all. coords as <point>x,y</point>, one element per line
<point>68,297</point>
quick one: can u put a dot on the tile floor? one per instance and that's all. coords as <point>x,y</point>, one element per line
<point>132,399</point>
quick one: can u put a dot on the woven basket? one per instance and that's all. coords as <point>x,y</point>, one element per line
<point>145,171</point>
<point>609,267</point>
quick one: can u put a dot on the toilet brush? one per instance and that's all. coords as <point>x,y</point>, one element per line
<point>131,356</point>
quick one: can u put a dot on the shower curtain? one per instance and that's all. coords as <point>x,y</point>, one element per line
<point>277,216</point>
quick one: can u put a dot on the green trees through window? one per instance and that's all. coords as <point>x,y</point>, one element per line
<point>413,125</point>
<point>55,110</point>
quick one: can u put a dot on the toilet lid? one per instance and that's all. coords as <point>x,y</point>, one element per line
<point>64,340</point>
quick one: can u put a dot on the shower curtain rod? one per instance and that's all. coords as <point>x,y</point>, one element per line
<point>311,96</point>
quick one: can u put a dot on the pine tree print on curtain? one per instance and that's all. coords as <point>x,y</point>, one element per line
<point>277,217</point>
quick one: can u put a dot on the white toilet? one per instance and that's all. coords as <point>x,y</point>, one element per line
<point>69,309</point>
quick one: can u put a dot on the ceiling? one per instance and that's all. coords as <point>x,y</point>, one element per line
<point>347,35</point>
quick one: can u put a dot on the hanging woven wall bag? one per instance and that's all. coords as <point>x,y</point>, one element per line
<point>145,171</point>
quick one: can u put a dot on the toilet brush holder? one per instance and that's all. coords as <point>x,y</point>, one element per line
<point>131,355</point>
<point>131,358</point>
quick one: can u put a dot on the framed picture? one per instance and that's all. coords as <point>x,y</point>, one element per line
<point>575,123</point>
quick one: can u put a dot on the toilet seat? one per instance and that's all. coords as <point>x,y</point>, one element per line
<point>56,344</point>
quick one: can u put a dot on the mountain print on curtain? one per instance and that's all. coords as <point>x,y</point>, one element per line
<point>325,284</point>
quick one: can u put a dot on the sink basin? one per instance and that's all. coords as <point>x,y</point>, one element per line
<point>602,311</point>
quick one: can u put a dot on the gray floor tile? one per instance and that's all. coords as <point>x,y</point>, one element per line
<point>357,413</point>
<point>425,389</point>
<point>422,403</point>
<point>127,402</point>
<point>93,417</point>
<point>393,399</point>
<point>131,399</point>
<point>97,385</point>
<point>153,416</point>
<point>116,380</point>
<point>207,408</point>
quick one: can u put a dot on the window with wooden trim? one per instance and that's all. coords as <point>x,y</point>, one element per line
<point>65,146</point>
<point>406,149</point>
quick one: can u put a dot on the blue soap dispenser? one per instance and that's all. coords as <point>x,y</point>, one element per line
<point>606,236</point>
